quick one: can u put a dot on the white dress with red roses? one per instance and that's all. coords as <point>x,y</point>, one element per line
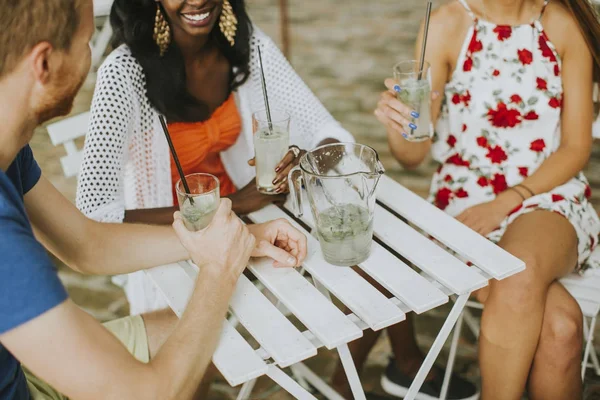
<point>500,121</point>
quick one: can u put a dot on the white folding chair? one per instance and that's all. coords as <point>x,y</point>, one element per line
<point>64,132</point>
<point>101,39</point>
<point>596,99</point>
<point>585,289</point>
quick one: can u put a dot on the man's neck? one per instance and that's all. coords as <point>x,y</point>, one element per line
<point>16,122</point>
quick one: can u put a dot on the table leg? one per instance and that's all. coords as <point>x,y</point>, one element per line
<point>452,356</point>
<point>346,357</point>
<point>351,372</point>
<point>246,390</point>
<point>288,384</point>
<point>304,373</point>
<point>438,343</point>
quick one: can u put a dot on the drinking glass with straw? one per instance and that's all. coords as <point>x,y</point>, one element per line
<point>198,194</point>
<point>271,129</point>
<point>414,79</point>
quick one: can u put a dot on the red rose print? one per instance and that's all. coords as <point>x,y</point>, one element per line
<point>588,191</point>
<point>504,117</point>
<point>531,116</point>
<point>456,98</point>
<point>451,140</point>
<point>541,84</point>
<point>557,197</point>
<point>533,205</point>
<point>457,160</point>
<point>503,31</point>
<point>592,241</point>
<point>475,45</point>
<point>499,183</point>
<point>525,56</point>
<point>546,50</point>
<point>482,142</point>
<point>515,98</point>
<point>466,98</point>
<point>556,70</point>
<point>447,178</point>
<point>554,102</point>
<point>517,208</point>
<point>464,127</point>
<point>496,154</point>
<point>524,172</point>
<point>468,65</point>
<point>537,145</point>
<point>496,73</point>
<point>461,193</point>
<point>482,181</point>
<point>442,198</point>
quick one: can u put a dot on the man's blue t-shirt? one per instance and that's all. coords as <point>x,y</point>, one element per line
<point>29,284</point>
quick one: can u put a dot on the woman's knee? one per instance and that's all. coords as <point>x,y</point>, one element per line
<point>562,332</point>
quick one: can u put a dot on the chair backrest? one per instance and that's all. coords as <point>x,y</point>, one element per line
<point>102,7</point>
<point>64,133</point>
<point>101,38</point>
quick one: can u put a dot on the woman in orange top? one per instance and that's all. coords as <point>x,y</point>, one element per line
<point>198,145</point>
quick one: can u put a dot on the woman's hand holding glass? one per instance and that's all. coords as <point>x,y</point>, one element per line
<point>289,161</point>
<point>396,116</point>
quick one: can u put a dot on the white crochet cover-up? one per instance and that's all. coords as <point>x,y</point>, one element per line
<point>126,160</point>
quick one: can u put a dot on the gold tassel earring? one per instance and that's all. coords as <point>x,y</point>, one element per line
<point>162,31</point>
<point>228,22</point>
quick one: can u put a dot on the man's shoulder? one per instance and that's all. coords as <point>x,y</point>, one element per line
<point>12,214</point>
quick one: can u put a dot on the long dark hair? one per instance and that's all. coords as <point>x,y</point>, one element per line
<point>133,24</point>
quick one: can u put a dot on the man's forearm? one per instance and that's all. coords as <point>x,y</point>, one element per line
<point>124,248</point>
<point>182,360</point>
<point>152,216</point>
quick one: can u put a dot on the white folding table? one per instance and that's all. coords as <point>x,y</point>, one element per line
<point>443,275</point>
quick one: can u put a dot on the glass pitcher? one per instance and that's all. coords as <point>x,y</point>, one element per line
<point>340,181</point>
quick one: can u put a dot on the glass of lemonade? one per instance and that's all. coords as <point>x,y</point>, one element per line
<point>200,205</point>
<point>271,143</point>
<point>415,92</point>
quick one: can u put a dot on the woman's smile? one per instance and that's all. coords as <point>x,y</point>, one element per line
<point>199,17</point>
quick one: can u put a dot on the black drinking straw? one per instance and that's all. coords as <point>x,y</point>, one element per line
<point>163,123</point>
<point>424,45</point>
<point>264,90</point>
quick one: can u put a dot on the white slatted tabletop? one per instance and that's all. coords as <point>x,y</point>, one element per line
<point>438,274</point>
<point>464,241</point>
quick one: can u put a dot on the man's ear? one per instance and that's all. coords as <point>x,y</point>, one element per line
<point>40,58</point>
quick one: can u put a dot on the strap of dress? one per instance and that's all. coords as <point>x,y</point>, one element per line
<point>468,9</point>
<point>543,9</point>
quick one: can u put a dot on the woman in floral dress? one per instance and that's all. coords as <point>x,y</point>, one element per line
<point>514,133</point>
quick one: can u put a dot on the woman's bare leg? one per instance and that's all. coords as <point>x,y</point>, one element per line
<point>512,318</point>
<point>556,371</point>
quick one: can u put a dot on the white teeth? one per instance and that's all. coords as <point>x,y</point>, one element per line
<point>197,17</point>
